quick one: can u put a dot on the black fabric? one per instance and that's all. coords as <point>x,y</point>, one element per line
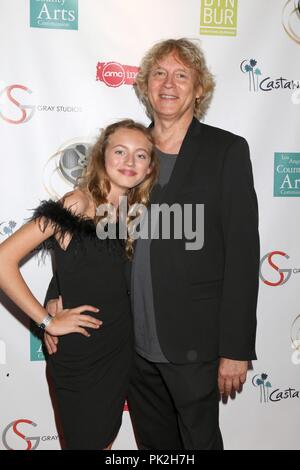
<point>175,406</point>
<point>64,221</point>
<point>53,290</point>
<point>90,374</point>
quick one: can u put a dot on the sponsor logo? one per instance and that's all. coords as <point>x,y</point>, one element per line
<point>253,72</point>
<point>282,276</point>
<point>13,111</point>
<point>291,19</point>
<point>267,395</point>
<point>17,426</point>
<point>65,166</point>
<point>287,175</point>
<point>219,17</point>
<point>264,386</point>
<point>7,228</point>
<point>114,74</point>
<point>256,83</point>
<point>295,340</point>
<point>54,14</point>
<point>14,436</point>
<point>58,108</point>
<point>36,344</point>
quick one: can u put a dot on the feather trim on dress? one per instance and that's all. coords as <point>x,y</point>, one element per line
<point>64,222</point>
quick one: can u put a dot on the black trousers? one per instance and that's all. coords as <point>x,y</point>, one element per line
<point>174,406</point>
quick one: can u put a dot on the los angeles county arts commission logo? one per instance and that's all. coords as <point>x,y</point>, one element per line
<point>218,17</point>
<point>54,14</point>
<point>256,81</point>
<point>287,175</point>
<point>291,19</point>
<point>271,274</point>
<point>15,109</point>
<point>15,435</point>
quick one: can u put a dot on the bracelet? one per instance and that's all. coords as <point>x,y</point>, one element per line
<point>48,319</point>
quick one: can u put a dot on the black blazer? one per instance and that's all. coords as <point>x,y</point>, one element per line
<point>205,300</point>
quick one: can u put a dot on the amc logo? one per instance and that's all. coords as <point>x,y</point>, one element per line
<point>114,74</point>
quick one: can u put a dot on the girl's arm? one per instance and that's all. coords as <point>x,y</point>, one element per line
<point>12,251</point>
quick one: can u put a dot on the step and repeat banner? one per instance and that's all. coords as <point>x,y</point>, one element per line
<point>66,70</point>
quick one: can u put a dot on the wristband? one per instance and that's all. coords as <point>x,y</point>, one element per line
<point>48,319</point>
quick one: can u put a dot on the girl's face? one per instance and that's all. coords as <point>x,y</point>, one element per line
<point>127,158</point>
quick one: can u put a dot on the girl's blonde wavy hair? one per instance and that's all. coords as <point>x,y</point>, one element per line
<point>95,181</point>
<point>192,56</point>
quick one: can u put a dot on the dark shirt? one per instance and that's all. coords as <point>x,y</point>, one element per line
<point>146,339</point>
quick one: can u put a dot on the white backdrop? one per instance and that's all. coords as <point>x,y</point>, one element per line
<point>50,101</point>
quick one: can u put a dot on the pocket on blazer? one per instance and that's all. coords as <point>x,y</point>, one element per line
<point>206,290</point>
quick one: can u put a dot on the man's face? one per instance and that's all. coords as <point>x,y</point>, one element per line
<point>171,88</point>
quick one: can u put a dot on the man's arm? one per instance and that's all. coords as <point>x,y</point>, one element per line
<point>241,274</point>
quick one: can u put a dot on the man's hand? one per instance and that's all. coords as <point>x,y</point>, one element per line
<point>52,307</point>
<point>232,374</point>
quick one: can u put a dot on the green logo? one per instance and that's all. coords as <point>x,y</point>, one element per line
<point>36,346</point>
<point>54,14</point>
<point>218,17</point>
<point>287,175</point>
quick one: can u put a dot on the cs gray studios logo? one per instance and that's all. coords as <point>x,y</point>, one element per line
<point>31,442</point>
<point>65,166</point>
<point>291,19</point>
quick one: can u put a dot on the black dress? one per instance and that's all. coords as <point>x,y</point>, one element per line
<point>90,375</point>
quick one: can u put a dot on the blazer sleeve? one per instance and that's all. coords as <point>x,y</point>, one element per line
<point>241,246</point>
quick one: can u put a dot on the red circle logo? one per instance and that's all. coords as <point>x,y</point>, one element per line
<point>113,74</point>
